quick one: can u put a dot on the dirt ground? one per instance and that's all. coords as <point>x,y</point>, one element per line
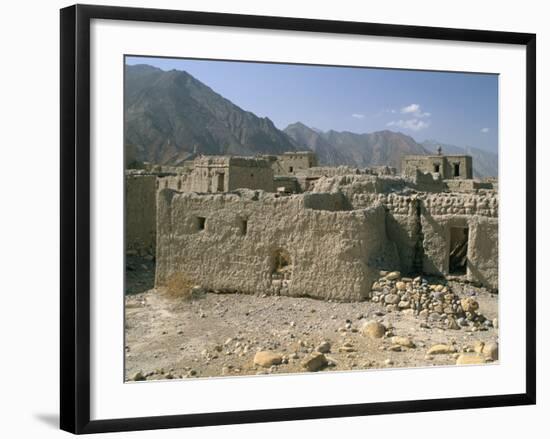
<point>219,334</point>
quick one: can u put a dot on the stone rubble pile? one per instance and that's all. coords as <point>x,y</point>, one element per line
<point>430,301</point>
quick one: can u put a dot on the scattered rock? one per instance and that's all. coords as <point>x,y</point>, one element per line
<point>373,329</point>
<point>406,342</point>
<point>440,349</point>
<point>394,275</point>
<point>324,347</point>
<point>314,362</point>
<point>435,301</point>
<point>391,299</point>
<point>401,286</point>
<point>138,376</point>
<point>346,347</point>
<point>267,358</point>
<point>468,304</point>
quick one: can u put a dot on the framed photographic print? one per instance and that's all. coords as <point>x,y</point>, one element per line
<point>273,218</point>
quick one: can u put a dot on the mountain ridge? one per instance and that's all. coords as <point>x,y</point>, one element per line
<point>170,116</point>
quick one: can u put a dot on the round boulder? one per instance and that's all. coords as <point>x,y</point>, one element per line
<point>373,329</point>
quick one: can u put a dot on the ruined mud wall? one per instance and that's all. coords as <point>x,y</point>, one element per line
<point>420,226</point>
<point>251,174</point>
<point>292,162</point>
<point>222,174</point>
<point>140,212</point>
<point>444,165</point>
<point>229,242</point>
<point>351,185</point>
<point>458,185</point>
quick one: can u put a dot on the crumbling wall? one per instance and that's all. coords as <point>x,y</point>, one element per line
<point>250,174</point>
<point>482,255</point>
<point>402,225</point>
<point>351,185</point>
<point>420,224</point>
<point>333,254</point>
<point>140,214</point>
<point>444,165</point>
<point>221,174</point>
<point>287,184</point>
<point>484,203</point>
<point>476,211</point>
<point>335,235</point>
<point>291,162</point>
<point>463,185</point>
<point>428,182</point>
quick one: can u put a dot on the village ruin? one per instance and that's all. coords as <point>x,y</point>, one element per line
<point>282,225</point>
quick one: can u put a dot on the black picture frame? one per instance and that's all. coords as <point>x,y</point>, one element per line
<point>75,217</point>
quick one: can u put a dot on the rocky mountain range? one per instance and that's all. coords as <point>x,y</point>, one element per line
<point>361,150</point>
<point>170,116</point>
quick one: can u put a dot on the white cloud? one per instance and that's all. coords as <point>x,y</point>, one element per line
<point>409,124</point>
<point>484,130</point>
<point>358,115</point>
<point>415,110</point>
<point>417,118</point>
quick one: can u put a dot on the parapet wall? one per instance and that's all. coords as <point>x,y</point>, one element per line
<point>354,184</point>
<point>483,203</point>
<point>230,242</point>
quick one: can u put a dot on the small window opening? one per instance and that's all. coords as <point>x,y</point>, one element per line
<point>201,221</point>
<point>436,168</point>
<point>244,226</point>
<point>290,169</point>
<point>457,169</point>
<point>458,255</point>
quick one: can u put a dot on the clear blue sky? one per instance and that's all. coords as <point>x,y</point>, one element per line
<point>454,108</point>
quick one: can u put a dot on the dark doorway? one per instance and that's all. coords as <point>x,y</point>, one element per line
<point>458,255</point>
<point>457,169</point>
<point>221,181</point>
<point>436,168</point>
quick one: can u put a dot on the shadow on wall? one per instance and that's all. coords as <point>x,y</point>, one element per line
<point>437,232</point>
<point>401,234</point>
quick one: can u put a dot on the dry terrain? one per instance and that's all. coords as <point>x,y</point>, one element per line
<point>212,334</point>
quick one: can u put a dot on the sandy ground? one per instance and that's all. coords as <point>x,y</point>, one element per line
<point>219,334</point>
